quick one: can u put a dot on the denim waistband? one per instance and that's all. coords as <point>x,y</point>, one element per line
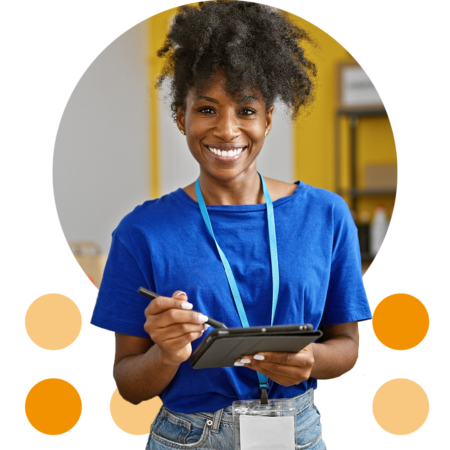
<point>225,415</point>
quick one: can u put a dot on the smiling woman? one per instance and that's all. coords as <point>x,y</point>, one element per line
<point>225,134</point>
<point>232,73</point>
<point>227,63</point>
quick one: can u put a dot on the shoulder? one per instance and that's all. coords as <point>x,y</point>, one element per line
<point>307,194</point>
<point>326,198</point>
<point>341,219</point>
<point>190,191</point>
<point>325,204</point>
<point>279,189</point>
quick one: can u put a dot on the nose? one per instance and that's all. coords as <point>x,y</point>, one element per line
<point>227,127</point>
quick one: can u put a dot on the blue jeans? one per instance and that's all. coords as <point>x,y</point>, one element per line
<point>214,431</point>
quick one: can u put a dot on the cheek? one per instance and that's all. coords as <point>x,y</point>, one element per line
<point>257,149</point>
<point>194,148</point>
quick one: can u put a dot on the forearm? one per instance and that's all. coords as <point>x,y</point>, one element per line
<point>144,376</point>
<point>334,357</point>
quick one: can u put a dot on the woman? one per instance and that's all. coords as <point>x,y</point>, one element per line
<point>227,63</point>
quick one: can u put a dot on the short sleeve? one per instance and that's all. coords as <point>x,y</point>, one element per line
<point>346,299</point>
<point>119,307</point>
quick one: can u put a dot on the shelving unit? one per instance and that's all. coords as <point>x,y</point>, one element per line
<point>353,191</point>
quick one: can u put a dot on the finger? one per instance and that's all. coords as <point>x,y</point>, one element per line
<point>279,369</point>
<point>284,358</point>
<point>180,295</point>
<point>185,339</point>
<point>161,304</point>
<point>174,331</point>
<point>176,316</point>
<point>290,363</point>
<point>279,378</point>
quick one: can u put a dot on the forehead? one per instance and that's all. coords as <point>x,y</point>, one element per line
<point>218,93</point>
<point>216,88</point>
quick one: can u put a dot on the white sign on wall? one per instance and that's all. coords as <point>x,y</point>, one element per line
<point>356,89</point>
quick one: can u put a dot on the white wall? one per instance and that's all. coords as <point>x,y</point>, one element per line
<point>276,157</point>
<point>101,168</point>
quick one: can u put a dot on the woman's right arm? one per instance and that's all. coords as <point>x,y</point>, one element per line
<point>140,377</point>
<point>143,367</point>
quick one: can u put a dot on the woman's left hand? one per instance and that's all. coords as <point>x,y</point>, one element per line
<point>287,369</point>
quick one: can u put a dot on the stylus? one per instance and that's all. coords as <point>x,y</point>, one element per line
<point>152,295</point>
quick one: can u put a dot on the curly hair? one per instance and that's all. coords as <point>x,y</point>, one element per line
<point>255,46</point>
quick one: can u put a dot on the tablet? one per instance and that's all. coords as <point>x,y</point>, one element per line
<point>222,347</point>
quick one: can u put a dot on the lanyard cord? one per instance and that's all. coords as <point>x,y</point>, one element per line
<point>263,380</point>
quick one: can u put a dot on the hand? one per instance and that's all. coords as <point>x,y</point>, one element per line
<point>286,369</point>
<point>172,326</point>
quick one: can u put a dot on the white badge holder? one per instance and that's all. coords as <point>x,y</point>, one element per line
<point>260,426</point>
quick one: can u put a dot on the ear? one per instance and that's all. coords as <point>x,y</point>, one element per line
<point>181,118</point>
<point>269,113</point>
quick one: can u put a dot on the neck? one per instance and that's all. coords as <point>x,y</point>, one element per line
<point>245,189</point>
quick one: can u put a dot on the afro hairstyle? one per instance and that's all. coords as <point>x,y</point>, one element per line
<point>256,46</point>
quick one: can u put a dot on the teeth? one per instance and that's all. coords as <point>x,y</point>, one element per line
<point>229,153</point>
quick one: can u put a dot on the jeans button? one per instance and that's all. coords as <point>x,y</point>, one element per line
<point>209,422</point>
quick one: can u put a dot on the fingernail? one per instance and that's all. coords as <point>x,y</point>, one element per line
<point>237,363</point>
<point>259,357</point>
<point>202,318</point>
<point>245,360</point>
<point>180,293</point>
<point>186,305</point>
<point>206,325</point>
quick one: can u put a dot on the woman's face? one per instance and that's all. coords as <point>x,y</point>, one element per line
<point>224,133</point>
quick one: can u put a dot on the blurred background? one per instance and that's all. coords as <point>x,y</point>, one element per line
<point>385,151</point>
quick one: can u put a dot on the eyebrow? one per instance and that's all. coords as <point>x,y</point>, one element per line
<point>213,100</point>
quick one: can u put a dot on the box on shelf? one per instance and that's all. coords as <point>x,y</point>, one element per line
<point>407,176</point>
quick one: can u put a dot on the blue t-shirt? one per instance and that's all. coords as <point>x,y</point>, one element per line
<point>163,245</point>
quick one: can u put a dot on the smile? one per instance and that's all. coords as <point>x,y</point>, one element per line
<point>225,153</point>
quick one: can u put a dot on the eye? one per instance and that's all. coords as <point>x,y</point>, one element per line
<point>247,111</point>
<point>243,109</point>
<point>204,109</point>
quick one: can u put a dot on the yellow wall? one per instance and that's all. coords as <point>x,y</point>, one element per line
<point>314,132</point>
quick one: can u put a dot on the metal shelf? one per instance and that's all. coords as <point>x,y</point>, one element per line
<point>353,191</point>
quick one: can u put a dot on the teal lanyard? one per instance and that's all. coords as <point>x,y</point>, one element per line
<point>263,380</point>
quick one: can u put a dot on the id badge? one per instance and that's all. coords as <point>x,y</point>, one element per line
<point>264,427</point>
